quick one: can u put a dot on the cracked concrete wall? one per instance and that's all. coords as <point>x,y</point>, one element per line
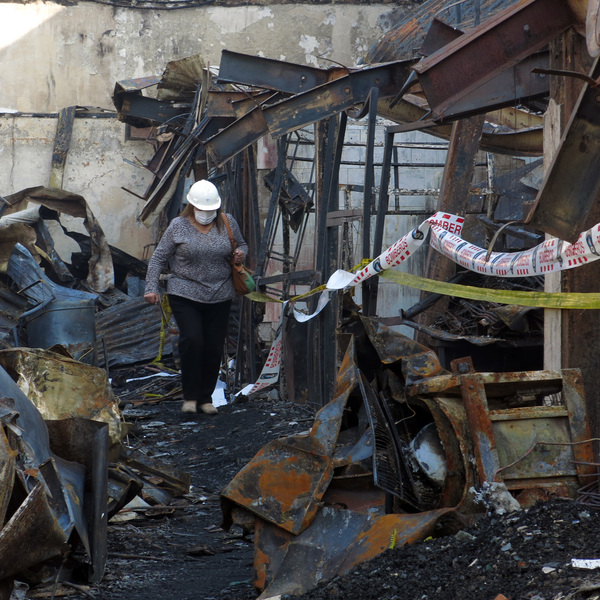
<point>98,164</point>
<point>53,56</point>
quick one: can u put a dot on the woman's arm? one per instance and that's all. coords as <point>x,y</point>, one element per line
<point>241,249</point>
<point>157,264</point>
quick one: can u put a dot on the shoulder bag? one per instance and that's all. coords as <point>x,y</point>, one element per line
<point>243,282</point>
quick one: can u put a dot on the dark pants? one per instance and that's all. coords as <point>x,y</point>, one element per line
<point>202,331</point>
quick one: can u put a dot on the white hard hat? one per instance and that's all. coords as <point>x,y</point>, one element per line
<point>203,195</point>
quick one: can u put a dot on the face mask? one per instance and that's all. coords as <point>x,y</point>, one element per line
<point>204,217</point>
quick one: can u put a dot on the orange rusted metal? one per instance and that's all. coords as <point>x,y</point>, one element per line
<point>337,541</point>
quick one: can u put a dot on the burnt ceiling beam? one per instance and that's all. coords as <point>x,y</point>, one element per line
<point>239,135</point>
<point>499,43</point>
<point>271,74</point>
<point>512,86</point>
<point>571,187</point>
<point>335,96</point>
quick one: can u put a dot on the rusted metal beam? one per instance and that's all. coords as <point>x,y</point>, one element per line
<point>239,135</point>
<point>498,44</point>
<point>273,74</point>
<point>220,103</point>
<point>571,187</point>
<point>508,88</point>
<point>480,426</point>
<point>336,96</point>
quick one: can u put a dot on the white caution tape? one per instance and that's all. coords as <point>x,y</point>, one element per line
<point>547,257</point>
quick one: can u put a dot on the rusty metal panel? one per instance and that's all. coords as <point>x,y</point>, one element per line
<point>498,43</point>
<point>337,541</point>
<point>239,135</point>
<point>334,97</point>
<point>517,430</point>
<point>572,183</point>
<point>286,480</point>
<point>271,74</point>
<point>573,395</point>
<point>282,484</point>
<point>405,40</point>
<point>32,536</point>
<point>8,457</point>
<point>508,88</point>
<point>480,427</point>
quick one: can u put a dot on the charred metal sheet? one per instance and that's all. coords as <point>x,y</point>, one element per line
<point>21,545</point>
<point>418,361</point>
<point>512,86</point>
<point>294,200</point>
<point>86,441</point>
<point>181,78</point>
<point>285,482</point>
<point>176,482</point>
<point>498,43</point>
<point>139,110</point>
<point>8,456</point>
<point>54,507</point>
<point>282,484</point>
<point>131,331</point>
<point>525,142</point>
<point>36,286</point>
<point>12,308</point>
<point>337,541</point>
<point>405,40</point>
<point>61,387</point>
<point>100,273</point>
<point>336,96</point>
<point>64,130</point>
<point>142,111</point>
<point>572,183</point>
<point>273,74</point>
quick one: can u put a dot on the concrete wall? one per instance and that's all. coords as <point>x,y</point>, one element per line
<point>52,56</point>
<point>96,168</point>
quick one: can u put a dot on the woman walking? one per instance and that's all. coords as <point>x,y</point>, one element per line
<point>197,249</point>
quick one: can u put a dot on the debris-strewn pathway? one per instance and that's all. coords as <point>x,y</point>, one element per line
<point>180,552</point>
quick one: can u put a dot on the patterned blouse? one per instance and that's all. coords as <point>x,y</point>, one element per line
<point>200,267</point>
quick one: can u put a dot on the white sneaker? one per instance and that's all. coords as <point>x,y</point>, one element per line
<point>208,409</point>
<point>189,406</point>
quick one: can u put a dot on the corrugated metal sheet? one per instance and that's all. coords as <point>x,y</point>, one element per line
<point>130,331</point>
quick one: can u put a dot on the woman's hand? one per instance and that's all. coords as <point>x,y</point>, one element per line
<point>238,256</point>
<point>152,298</point>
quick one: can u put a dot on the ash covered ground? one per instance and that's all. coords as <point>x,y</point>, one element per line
<point>181,553</point>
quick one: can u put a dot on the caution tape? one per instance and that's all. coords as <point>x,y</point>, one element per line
<point>535,299</point>
<point>547,257</point>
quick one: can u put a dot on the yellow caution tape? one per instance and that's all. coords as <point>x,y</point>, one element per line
<point>536,299</point>
<point>260,297</point>
<point>165,318</point>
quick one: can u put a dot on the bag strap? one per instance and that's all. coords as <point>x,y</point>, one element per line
<point>229,233</point>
